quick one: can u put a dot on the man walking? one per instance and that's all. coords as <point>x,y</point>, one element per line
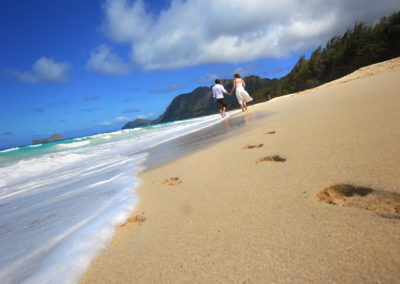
<point>218,94</point>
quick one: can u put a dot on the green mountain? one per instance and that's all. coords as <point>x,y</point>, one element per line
<point>200,102</point>
<point>359,46</point>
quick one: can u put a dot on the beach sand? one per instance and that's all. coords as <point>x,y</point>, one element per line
<point>307,194</point>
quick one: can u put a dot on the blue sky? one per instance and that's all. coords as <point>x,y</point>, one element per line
<point>82,67</point>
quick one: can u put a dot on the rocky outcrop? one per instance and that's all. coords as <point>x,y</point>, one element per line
<point>54,137</point>
<point>137,123</point>
<point>200,102</point>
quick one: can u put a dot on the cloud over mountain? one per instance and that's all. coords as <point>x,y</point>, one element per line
<point>197,32</point>
<point>170,88</point>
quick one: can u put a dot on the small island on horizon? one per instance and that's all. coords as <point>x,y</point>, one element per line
<point>54,137</point>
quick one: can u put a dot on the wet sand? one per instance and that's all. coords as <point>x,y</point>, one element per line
<point>199,140</point>
<point>307,193</point>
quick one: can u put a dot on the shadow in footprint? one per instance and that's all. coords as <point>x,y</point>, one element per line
<point>171,181</point>
<point>347,195</point>
<point>270,132</point>
<point>139,219</point>
<point>273,158</point>
<point>252,146</point>
<point>338,192</point>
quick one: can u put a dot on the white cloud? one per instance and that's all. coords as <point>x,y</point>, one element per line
<point>145,116</point>
<point>121,118</point>
<point>45,70</point>
<point>207,78</point>
<point>104,61</point>
<point>115,120</point>
<point>105,123</point>
<point>170,88</point>
<point>196,32</point>
<point>125,22</point>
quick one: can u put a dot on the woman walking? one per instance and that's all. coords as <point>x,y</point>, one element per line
<point>241,94</point>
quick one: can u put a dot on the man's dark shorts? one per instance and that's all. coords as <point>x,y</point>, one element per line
<point>221,103</point>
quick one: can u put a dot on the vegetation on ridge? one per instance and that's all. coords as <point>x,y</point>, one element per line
<point>359,46</point>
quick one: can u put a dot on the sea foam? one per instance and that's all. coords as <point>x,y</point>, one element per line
<point>74,144</point>
<point>61,205</point>
<point>9,150</point>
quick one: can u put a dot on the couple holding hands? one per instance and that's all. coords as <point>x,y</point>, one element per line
<point>241,94</point>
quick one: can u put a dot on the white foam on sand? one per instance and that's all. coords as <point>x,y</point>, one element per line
<point>61,207</point>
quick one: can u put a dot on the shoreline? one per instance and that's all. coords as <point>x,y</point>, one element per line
<point>180,147</point>
<point>199,140</point>
<point>225,214</point>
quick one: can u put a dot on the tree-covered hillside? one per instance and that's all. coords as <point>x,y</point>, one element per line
<point>359,46</point>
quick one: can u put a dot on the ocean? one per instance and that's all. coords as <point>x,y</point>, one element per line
<point>61,201</point>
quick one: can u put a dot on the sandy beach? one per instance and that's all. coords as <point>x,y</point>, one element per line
<point>309,193</point>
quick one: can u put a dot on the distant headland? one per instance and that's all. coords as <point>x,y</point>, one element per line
<point>54,137</point>
<point>359,46</point>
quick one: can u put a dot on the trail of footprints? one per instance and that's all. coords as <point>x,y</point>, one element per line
<point>271,158</point>
<point>385,203</point>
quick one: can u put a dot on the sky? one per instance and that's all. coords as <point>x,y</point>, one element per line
<point>82,67</point>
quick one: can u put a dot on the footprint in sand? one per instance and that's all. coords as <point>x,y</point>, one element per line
<point>347,195</point>
<point>273,158</point>
<point>252,146</point>
<point>171,181</point>
<point>137,219</point>
<point>270,132</point>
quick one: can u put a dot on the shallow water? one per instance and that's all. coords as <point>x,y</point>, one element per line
<point>60,201</point>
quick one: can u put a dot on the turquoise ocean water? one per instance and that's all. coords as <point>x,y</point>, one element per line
<point>60,201</point>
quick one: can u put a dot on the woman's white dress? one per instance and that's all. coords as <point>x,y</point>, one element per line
<point>241,94</point>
